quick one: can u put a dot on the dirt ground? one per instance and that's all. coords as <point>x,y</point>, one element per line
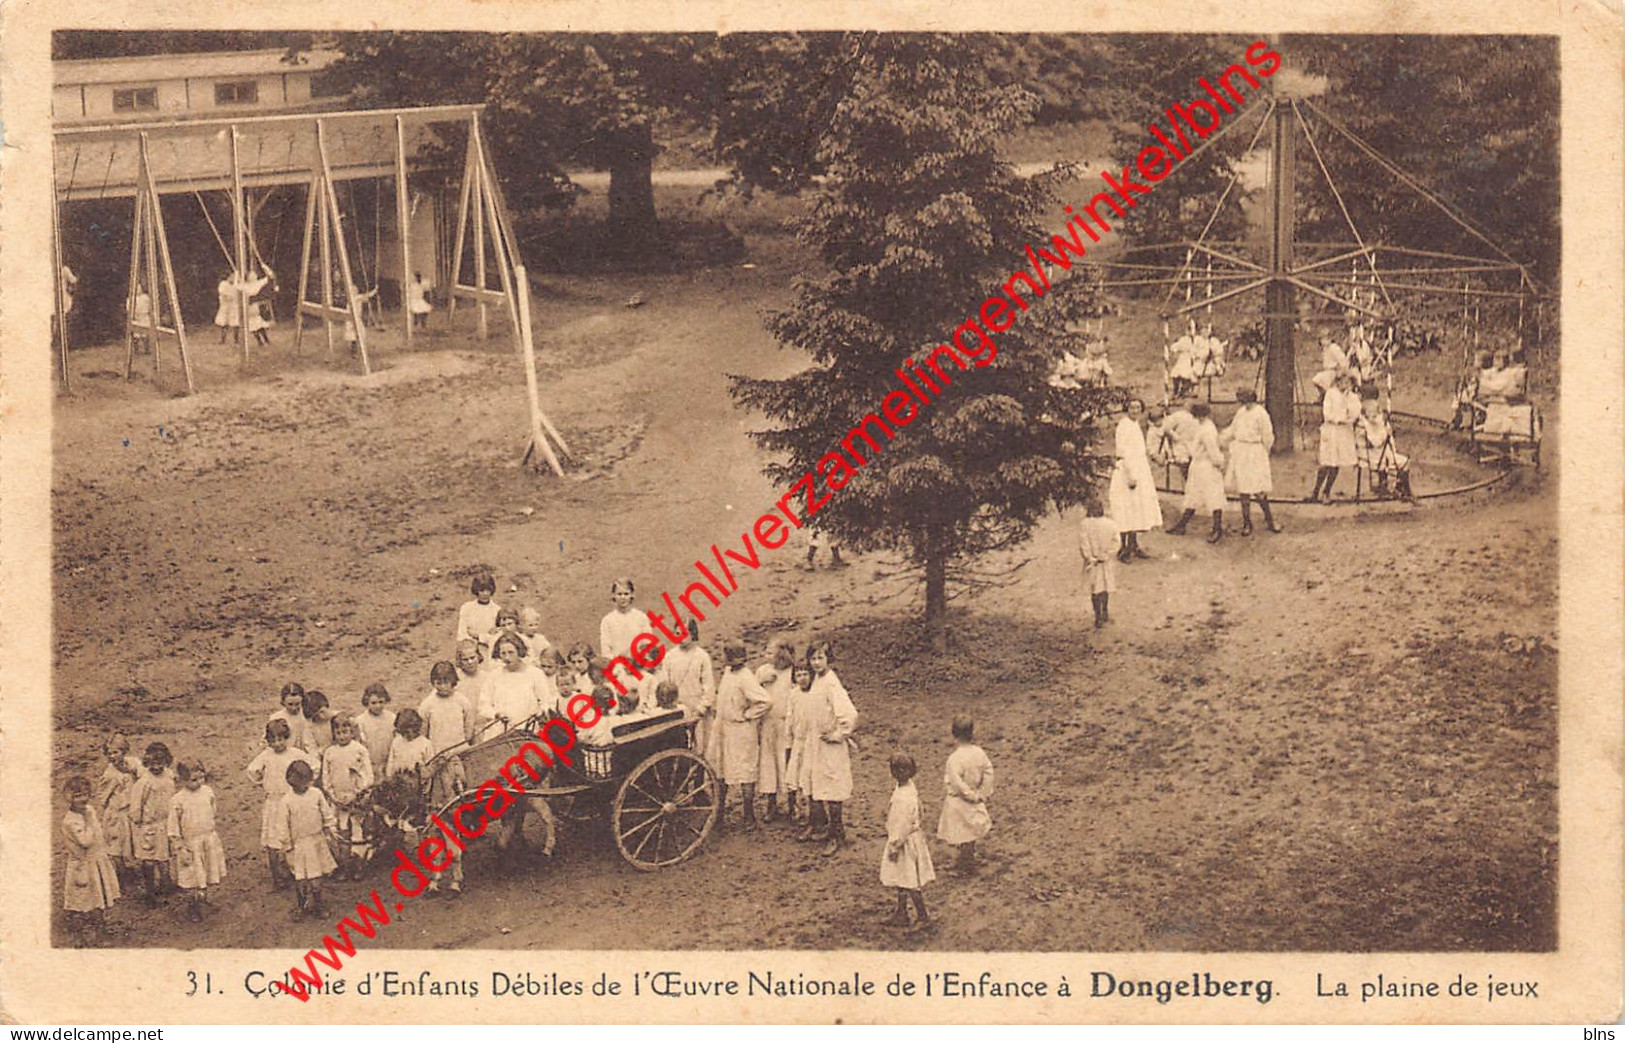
<point>1318,740</point>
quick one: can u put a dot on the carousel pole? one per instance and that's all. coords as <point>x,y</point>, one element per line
<point>1280,296</point>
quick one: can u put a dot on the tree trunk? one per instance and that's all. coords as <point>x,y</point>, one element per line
<point>936,589</point>
<point>631,184</point>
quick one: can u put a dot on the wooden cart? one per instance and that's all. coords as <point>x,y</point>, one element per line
<point>652,789</point>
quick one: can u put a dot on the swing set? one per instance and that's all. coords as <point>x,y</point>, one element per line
<point>337,285</point>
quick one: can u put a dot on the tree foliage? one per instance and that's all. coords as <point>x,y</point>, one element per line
<point>556,99</point>
<point>1150,73</point>
<point>918,221</point>
<point>1474,118</point>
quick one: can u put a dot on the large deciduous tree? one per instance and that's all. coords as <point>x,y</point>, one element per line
<point>557,99</point>
<point>918,221</point>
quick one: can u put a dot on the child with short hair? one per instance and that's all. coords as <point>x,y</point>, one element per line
<point>601,733</point>
<point>530,628</point>
<point>581,674</point>
<point>269,771</point>
<point>507,623</point>
<point>906,862</point>
<point>346,771</point>
<point>1097,544</point>
<point>149,819</point>
<point>318,727</point>
<point>798,769</point>
<point>410,750</point>
<point>293,712</point>
<point>89,882</point>
<point>470,661</point>
<point>776,680</point>
<point>200,858</point>
<point>741,705</point>
<point>303,827</point>
<point>622,623</point>
<point>688,666</point>
<point>376,726</point>
<point>967,779</point>
<point>666,697</point>
<point>448,717</point>
<point>112,800</point>
<point>478,617</point>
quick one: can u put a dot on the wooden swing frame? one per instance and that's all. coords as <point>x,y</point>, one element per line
<point>483,223</point>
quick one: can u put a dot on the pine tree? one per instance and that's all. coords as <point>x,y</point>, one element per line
<point>919,221</point>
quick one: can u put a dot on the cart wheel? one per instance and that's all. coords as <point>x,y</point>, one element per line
<point>665,809</point>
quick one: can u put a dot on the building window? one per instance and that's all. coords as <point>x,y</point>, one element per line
<point>136,99</point>
<point>238,92</point>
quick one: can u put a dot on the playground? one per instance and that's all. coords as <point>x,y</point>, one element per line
<point>1338,737</point>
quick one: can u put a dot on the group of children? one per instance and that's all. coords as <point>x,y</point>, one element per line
<point>135,820</point>
<point>784,730</point>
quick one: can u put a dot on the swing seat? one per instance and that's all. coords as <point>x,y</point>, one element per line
<point>1509,431</point>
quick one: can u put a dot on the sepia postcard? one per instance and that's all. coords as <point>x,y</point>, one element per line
<point>724,513</point>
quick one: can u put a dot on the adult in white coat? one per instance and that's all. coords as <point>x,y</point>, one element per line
<point>1133,492</point>
<point>834,719</point>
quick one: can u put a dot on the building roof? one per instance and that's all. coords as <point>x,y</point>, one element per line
<point>153,67</point>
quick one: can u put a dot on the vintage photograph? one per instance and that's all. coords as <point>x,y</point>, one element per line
<point>806,490</point>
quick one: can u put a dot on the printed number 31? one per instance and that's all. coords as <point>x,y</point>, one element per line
<point>191,981</point>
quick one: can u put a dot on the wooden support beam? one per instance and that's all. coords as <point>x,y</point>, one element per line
<point>462,219</point>
<point>478,202</point>
<point>304,265</point>
<point>239,244</point>
<point>323,311</point>
<point>474,293</point>
<point>507,254</point>
<point>337,226</point>
<point>403,219</point>
<point>527,350</point>
<point>324,236</point>
<point>136,255</point>
<point>60,282</point>
<point>156,232</point>
<point>151,269</point>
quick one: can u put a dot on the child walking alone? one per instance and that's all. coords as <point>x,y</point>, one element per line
<point>906,862</point>
<point>967,780</point>
<point>1097,543</point>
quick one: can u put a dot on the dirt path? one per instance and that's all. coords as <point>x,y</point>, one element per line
<point>1315,740</point>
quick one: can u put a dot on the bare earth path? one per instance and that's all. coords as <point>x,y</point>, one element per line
<point>1317,740</point>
